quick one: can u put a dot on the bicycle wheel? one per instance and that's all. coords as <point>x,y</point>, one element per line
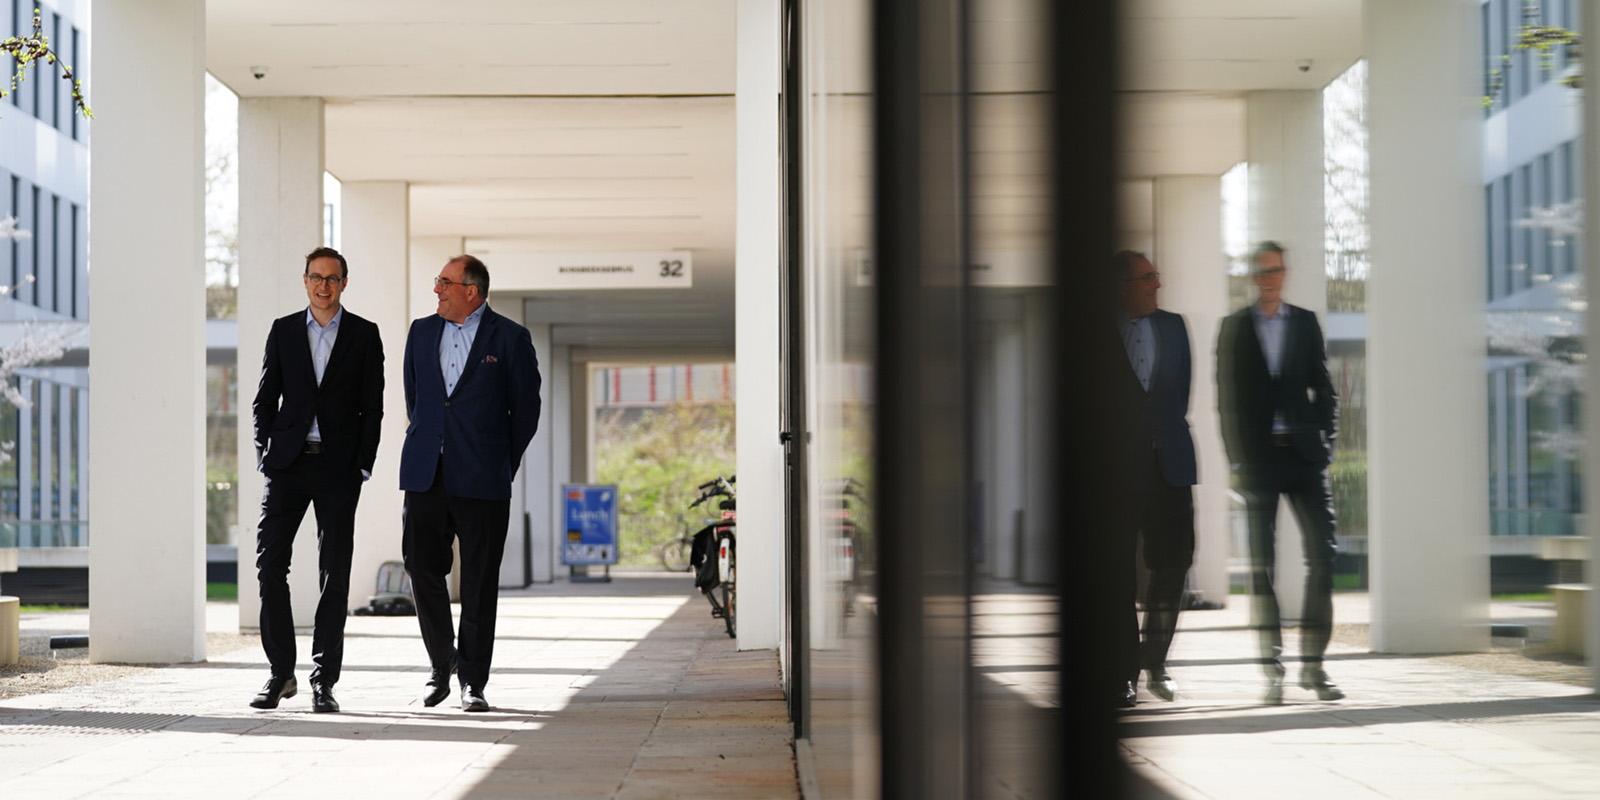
<point>729,591</point>
<point>674,555</point>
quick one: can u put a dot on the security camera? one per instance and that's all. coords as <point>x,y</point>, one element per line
<point>1304,65</point>
<point>258,72</point>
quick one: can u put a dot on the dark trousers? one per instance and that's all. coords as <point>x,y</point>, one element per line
<point>1167,536</point>
<point>432,520</point>
<point>1305,484</point>
<point>333,492</point>
<point>1164,519</point>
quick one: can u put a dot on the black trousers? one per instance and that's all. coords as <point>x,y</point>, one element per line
<point>432,520</point>
<point>333,492</point>
<point>1286,473</point>
<point>1164,519</point>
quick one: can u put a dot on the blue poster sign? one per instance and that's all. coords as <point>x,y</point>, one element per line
<point>591,524</point>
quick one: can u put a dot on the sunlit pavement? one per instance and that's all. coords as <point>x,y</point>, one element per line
<point>1410,728</point>
<point>626,690</point>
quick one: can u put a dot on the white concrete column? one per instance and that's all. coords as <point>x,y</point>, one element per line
<point>428,255</point>
<point>539,476</point>
<point>513,569</point>
<point>757,343</point>
<point>1427,450</point>
<point>1283,142</point>
<point>376,217</point>
<point>1590,255</point>
<point>280,220</point>
<point>563,378</point>
<point>147,568</point>
<point>1194,283</point>
<point>1039,536</point>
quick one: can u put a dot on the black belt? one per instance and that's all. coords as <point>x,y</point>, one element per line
<point>1282,440</point>
<point>312,448</point>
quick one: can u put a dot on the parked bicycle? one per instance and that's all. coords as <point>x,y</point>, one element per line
<point>674,553</point>
<point>713,550</point>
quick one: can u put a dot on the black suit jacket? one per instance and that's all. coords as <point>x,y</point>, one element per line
<point>1248,398</point>
<point>1167,401</point>
<point>348,405</point>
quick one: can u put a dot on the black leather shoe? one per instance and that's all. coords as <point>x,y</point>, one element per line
<point>275,690</point>
<point>322,700</point>
<point>1130,697</point>
<point>438,689</point>
<point>472,699</point>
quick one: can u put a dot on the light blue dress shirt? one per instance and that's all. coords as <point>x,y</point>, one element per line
<point>1138,338</point>
<point>321,340</point>
<point>454,347</point>
<point>1271,331</point>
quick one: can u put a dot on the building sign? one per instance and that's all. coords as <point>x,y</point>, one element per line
<point>663,269</point>
<point>590,514</point>
<point>999,268</point>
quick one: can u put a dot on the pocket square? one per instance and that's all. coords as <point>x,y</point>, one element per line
<point>490,359</point>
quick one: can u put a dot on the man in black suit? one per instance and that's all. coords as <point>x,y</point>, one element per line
<point>1279,419</point>
<point>318,413</point>
<point>1164,473</point>
<point>472,396</point>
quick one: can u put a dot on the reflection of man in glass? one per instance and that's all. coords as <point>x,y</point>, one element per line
<point>1157,343</point>
<point>1279,419</point>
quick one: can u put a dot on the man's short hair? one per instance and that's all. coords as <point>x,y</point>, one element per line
<point>1124,260</point>
<point>474,272</point>
<point>1267,246</point>
<point>328,252</point>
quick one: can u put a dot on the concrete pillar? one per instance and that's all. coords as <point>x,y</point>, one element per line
<point>375,217</point>
<point>147,570</point>
<point>539,476</point>
<point>1283,143</point>
<point>757,344</point>
<point>1039,536</point>
<point>280,220</point>
<point>1194,278</point>
<point>1427,448</point>
<point>563,378</point>
<point>1590,262</point>
<point>428,254</point>
<point>514,568</point>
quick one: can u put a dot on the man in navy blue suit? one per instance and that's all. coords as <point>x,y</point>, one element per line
<point>1164,473</point>
<point>472,398</point>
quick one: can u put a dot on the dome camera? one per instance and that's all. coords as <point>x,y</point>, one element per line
<point>261,72</point>
<point>1304,65</point>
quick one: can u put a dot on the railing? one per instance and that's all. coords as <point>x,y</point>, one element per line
<point>1534,522</point>
<point>44,533</point>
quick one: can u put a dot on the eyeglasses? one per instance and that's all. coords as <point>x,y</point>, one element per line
<point>442,282</point>
<point>324,280</point>
<point>1148,277</point>
<point>1270,271</point>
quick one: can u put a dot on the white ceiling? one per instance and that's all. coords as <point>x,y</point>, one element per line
<point>583,125</point>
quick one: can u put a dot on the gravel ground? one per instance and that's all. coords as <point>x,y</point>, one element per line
<point>1535,660</point>
<point>40,671</point>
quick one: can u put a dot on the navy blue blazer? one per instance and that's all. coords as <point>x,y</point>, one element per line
<point>1168,399</point>
<point>484,426</point>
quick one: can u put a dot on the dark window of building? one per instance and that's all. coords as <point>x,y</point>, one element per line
<point>1488,232</point>
<point>50,75</point>
<point>77,74</point>
<point>72,263</point>
<point>55,253</point>
<point>19,25</point>
<point>33,249</point>
<point>1488,57</point>
<point>1508,265</point>
<point>1542,236</point>
<point>16,246</point>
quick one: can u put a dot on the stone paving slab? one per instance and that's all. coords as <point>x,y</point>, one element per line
<point>1412,728</point>
<point>605,691</point>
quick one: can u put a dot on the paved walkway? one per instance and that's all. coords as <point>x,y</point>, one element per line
<point>626,690</point>
<point>1414,728</point>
